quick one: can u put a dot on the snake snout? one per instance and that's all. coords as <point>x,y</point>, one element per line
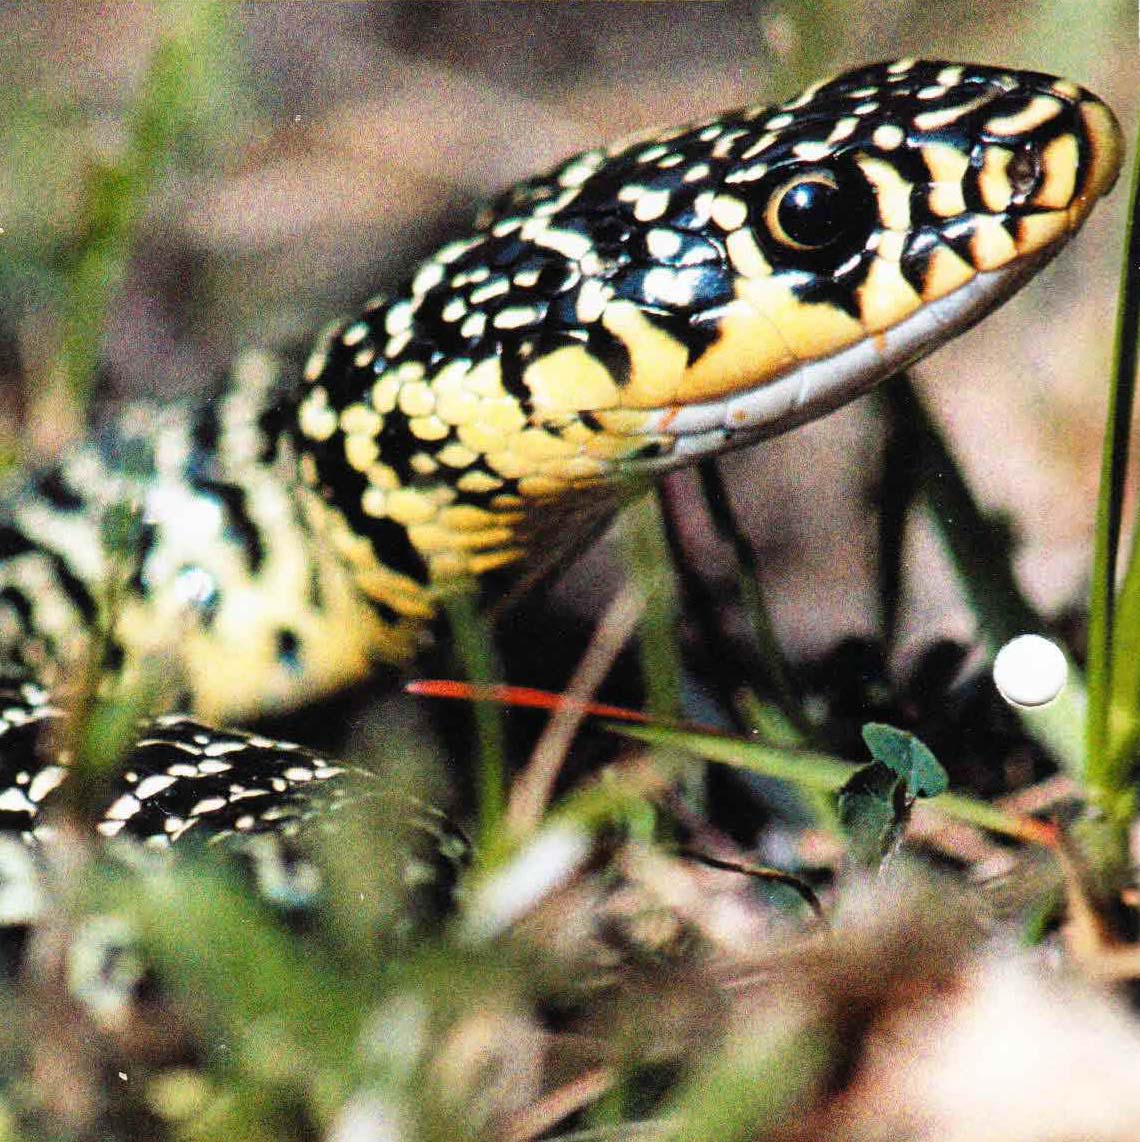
<point>1104,143</point>
<point>1046,146</point>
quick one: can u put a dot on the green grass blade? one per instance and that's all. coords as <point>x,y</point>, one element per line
<point>648,562</point>
<point>1114,630</point>
<point>899,488</point>
<point>978,546</point>
<point>980,549</point>
<point>475,652</point>
<point>778,672</point>
<point>807,768</point>
<point>181,98</point>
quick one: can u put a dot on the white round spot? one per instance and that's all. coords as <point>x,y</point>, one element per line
<point>154,784</point>
<point>889,136</point>
<point>650,204</point>
<point>195,587</point>
<point>662,244</point>
<point>1030,670</point>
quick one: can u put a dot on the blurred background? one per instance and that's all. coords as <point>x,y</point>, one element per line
<point>181,180</point>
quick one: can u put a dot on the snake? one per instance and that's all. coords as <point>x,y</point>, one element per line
<point>636,309</point>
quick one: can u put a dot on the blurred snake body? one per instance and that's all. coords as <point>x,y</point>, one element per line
<point>633,310</point>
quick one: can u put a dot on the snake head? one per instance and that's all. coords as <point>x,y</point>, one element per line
<point>680,294</point>
<point>790,257</point>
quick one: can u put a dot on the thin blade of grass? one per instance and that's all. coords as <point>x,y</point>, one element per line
<point>768,725</point>
<point>180,98</point>
<point>1114,625</point>
<point>648,563</point>
<point>106,709</point>
<point>534,786</point>
<point>978,547</point>
<point>807,768</point>
<point>779,674</point>
<point>476,656</point>
<point>899,488</point>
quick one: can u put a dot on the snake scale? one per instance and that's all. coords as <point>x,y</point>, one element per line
<point>633,310</point>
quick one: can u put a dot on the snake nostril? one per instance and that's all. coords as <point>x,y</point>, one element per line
<point>1024,173</point>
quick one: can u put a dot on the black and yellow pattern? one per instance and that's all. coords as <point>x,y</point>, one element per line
<point>675,296</point>
<point>637,308</point>
<point>217,576</point>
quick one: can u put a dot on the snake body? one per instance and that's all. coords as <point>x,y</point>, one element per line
<point>633,310</point>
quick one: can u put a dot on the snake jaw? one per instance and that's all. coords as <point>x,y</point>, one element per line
<point>818,387</point>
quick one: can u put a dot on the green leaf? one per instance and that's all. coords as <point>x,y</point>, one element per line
<point>908,757</point>
<point>874,809</point>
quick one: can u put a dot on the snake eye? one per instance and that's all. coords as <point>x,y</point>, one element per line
<point>807,213</point>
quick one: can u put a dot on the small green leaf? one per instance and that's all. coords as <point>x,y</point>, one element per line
<point>874,809</point>
<point>908,757</point>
